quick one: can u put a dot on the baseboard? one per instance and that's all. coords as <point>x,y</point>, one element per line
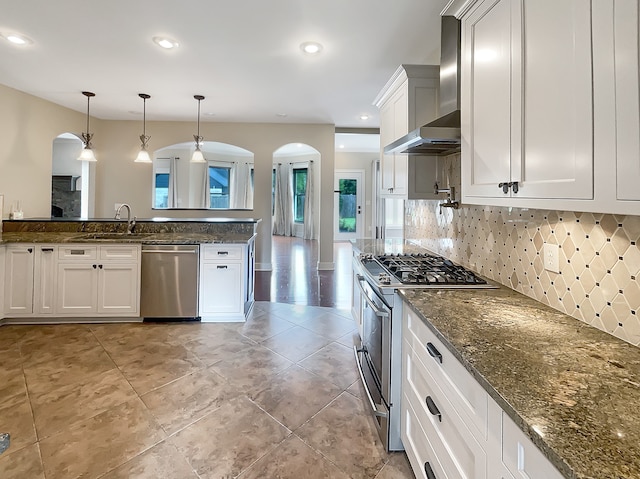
<point>264,267</point>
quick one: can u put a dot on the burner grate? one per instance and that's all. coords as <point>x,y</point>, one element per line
<point>427,269</point>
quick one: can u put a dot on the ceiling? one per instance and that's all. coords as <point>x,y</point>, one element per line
<point>244,57</point>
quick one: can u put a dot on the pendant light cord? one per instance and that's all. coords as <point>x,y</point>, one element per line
<point>199,117</point>
<point>88,99</point>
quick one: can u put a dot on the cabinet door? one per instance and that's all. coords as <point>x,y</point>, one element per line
<point>19,280</point>
<point>2,272</point>
<point>45,280</point>
<point>77,288</point>
<point>557,99</point>
<point>489,70</point>
<point>221,291</point>
<point>118,289</point>
<point>627,69</point>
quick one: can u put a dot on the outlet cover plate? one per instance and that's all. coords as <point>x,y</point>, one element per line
<point>551,258</point>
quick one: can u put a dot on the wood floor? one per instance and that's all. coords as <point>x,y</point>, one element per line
<point>295,278</point>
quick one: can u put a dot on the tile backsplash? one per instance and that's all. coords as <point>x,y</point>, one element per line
<point>599,255</point>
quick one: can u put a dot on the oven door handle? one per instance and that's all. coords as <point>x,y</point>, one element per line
<point>372,305</point>
<point>376,412</point>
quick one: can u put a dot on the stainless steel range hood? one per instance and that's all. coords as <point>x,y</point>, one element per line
<point>441,136</point>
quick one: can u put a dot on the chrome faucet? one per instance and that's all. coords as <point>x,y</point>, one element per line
<point>450,202</point>
<point>131,223</point>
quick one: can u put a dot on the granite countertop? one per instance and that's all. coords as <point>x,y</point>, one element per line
<point>156,219</point>
<point>111,237</point>
<point>573,389</point>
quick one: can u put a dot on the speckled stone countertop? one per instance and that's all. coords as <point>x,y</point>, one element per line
<point>147,231</point>
<point>573,389</point>
<point>143,238</point>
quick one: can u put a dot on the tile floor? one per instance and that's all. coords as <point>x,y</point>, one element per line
<point>275,397</point>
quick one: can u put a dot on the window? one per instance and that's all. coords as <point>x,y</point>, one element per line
<point>162,190</point>
<point>219,186</point>
<point>273,192</point>
<point>299,192</point>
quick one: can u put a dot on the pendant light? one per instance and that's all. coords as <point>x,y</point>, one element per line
<point>87,153</point>
<point>143,154</point>
<point>197,156</point>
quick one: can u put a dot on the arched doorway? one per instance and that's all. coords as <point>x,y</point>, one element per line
<point>71,180</point>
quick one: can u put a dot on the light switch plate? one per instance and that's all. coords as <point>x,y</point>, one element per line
<point>551,254</point>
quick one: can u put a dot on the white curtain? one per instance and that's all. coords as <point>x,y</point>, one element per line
<point>242,194</point>
<point>172,199</point>
<point>201,195</point>
<point>309,201</point>
<point>283,207</point>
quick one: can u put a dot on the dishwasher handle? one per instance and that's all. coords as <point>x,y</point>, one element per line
<point>159,251</point>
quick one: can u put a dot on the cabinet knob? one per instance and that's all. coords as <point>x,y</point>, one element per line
<point>95,266</point>
<point>30,250</point>
<point>100,266</point>
<point>505,187</point>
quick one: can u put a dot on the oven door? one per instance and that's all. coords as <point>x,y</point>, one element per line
<point>373,357</point>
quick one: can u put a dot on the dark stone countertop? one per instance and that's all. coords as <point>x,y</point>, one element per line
<point>573,389</point>
<point>109,237</point>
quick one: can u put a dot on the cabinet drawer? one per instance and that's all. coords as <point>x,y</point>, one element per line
<point>458,451</point>
<point>77,252</point>
<point>418,448</point>
<point>521,457</point>
<point>222,252</point>
<point>468,397</point>
<point>119,252</point>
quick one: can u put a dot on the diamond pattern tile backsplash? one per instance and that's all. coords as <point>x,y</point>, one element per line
<point>599,254</point>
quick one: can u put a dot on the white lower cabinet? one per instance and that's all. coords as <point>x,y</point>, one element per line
<point>72,280</point>
<point>223,282</point>
<point>18,280</point>
<point>2,258</point>
<point>77,289</point>
<point>451,428</point>
<point>44,280</point>
<point>98,280</point>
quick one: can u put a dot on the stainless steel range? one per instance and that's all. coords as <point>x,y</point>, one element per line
<point>378,354</point>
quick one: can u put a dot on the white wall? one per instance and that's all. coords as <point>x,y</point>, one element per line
<point>29,125</point>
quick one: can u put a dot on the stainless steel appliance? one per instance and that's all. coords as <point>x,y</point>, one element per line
<point>169,282</point>
<point>441,136</point>
<point>378,354</point>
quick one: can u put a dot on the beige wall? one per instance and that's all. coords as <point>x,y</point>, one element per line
<point>29,125</point>
<point>599,255</point>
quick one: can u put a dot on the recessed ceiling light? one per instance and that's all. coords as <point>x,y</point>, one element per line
<point>364,117</point>
<point>165,42</point>
<point>341,146</point>
<point>209,113</point>
<point>17,38</point>
<point>311,48</point>
<point>281,115</point>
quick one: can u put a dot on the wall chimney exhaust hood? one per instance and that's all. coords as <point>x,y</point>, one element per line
<point>441,136</point>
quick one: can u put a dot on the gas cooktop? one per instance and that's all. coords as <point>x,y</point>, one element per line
<point>420,270</point>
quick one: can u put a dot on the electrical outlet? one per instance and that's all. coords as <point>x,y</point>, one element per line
<point>551,253</point>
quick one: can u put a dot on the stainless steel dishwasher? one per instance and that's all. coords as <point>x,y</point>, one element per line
<point>169,282</point>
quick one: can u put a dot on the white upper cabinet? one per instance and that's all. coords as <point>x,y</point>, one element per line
<point>408,101</point>
<point>627,72</point>
<point>527,115</point>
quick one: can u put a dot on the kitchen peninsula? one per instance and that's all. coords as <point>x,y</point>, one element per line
<point>90,269</point>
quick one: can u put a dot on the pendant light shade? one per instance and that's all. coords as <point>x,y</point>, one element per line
<point>143,154</point>
<point>87,152</point>
<point>197,156</point>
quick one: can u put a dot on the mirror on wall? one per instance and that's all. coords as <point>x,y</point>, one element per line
<point>224,182</point>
